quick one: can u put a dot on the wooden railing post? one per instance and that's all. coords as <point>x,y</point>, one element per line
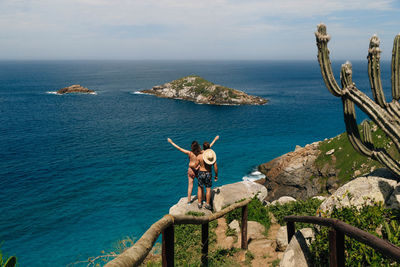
<point>244,227</point>
<point>168,247</point>
<point>204,244</point>
<point>290,230</point>
<point>336,248</point>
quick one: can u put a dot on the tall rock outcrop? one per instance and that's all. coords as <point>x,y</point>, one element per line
<point>295,174</point>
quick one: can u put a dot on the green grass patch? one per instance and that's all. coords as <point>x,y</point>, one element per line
<point>195,213</point>
<point>275,263</point>
<point>347,159</point>
<point>188,247</point>
<point>249,257</point>
<point>256,212</point>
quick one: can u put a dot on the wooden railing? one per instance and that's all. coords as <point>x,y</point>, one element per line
<point>336,238</point>
<point>135,255</point>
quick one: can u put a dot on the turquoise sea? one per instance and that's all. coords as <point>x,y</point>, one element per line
<point>80,172</point>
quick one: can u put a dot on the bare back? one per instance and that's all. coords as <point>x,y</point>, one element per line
<point>193,160</point>
<point>203,166</point>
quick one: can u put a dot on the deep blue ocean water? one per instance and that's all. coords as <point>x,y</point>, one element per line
<point>80,172</point>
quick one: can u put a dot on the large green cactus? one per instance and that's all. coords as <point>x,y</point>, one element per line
<point>385,115</point>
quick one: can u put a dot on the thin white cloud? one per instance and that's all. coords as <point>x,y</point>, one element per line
<point>177,23</point>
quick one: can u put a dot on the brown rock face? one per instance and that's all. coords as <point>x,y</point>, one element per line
<point>76,88</point>
<point>295,174</point>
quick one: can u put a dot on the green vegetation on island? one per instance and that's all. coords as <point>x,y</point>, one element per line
<point>199,90</point>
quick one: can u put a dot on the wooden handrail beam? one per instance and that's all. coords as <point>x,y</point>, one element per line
<point>383,246</point>
<point>135,255</point>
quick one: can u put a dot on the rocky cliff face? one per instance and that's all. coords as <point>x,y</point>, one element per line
<point>196,89</point>
<point>295,174</point>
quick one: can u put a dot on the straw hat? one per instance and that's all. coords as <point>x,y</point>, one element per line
<point>209,156</point>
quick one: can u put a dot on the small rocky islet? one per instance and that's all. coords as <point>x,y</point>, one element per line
<point>75,88</point>
<point>196,89</point>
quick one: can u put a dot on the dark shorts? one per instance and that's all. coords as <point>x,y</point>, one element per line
<point>204,179</point>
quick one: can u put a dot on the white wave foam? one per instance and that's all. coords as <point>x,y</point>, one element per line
<point>253,176</point>
<point>55,93</point>
<point>246,178</point>
<point>139,93</point>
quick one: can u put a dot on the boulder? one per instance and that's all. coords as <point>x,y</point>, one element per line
<point>255,230</point>
<point>394,200</point>
<point>330,152</point>
<point>308,235</point>
<point>181,208</point>
<point>228,194</point>
<point>295,174</point>
<point>322,198</point>
<point>235,226</point>
<point>282,241</point>
<point>297,253</point>
<point>283,200</point>
<point>377,186</point>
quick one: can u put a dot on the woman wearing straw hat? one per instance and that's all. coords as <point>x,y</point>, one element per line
<point>207,160</point>
<point>193,162</point>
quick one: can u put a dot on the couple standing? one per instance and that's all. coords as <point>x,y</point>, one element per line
<point>200,166</point>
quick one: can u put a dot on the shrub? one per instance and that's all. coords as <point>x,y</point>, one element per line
<point>371,218</point>
<point>301,208</point>
<point>7,262</point>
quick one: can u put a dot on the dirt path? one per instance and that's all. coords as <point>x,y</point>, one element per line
<point>262,248</point>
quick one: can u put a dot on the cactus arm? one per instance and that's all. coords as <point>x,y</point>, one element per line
<point>376,113</point>
<point>367,134</point>
<point>346,75</point>
<point>394,110</point>
<point>373,110</point>
<point>374,71</point>
<point>396,68</point>
<point>354,137</point>
<point>384,158</point>
<point>352,129</point>
<point>324,61</point>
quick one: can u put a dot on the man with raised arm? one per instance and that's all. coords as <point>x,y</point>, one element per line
<point>207,160</point>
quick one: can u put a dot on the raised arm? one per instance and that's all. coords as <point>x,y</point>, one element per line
<point>215,139</point>
<point>178,147</point>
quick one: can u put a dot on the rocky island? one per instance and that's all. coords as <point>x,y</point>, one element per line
<point>76,88</point>
<point>196,89</point>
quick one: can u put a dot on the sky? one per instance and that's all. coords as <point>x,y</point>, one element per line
<point>193,29</point>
